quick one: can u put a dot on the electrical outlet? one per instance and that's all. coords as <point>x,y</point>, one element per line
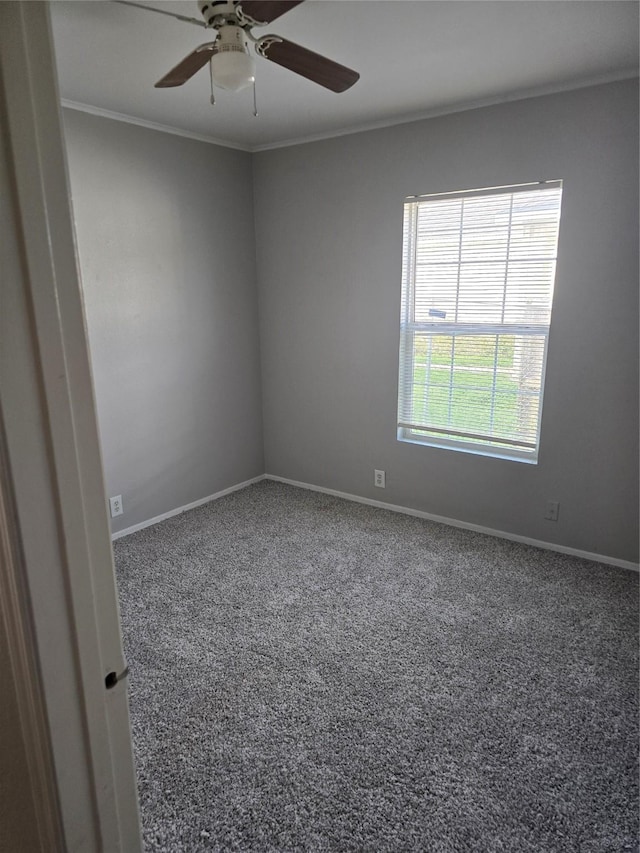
<point>116,505</point>
<point>553,510</point>
<point>379,479</point>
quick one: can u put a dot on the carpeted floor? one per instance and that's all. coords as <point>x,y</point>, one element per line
<point>311,674</point>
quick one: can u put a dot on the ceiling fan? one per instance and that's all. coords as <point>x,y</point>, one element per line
<point>231,65</point>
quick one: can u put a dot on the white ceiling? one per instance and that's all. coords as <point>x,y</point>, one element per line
<point>415,57</point>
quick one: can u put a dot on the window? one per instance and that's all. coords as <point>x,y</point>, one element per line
<point>477,284</point>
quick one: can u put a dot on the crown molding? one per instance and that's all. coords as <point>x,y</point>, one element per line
<point>436,112</point>
<point>151,125</point>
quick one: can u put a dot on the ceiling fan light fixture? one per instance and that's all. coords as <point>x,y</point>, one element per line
<point>233,70</point>
<point>232,67</point>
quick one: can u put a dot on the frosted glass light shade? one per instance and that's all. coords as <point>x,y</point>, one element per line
<point>233,69</point>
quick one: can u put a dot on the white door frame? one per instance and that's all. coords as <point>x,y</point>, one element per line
<point>53,480</point>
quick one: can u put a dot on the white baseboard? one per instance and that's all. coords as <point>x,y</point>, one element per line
<point>453,522</point>
<point>181,509</point>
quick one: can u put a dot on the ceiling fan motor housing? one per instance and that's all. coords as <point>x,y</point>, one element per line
<point>213,9</point>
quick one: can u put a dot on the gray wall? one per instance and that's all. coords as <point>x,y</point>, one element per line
<point>329,235</point>
<point>166,244</point>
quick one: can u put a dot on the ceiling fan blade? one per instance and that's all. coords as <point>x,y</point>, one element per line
<point>308,64</point>
<point>162,12</point>
<point>187,68</point>
<point>265,11</point>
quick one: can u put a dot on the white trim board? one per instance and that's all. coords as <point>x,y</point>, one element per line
<point>151,125</point>
<point>460,107</point>
<point>440,519</point>
<point>454,522</point>
<point>179,510</point>
<point>392,121</point>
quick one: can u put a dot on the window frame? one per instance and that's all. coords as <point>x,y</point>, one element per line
<point>416,434</point>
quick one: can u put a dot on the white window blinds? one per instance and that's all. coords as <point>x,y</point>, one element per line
<point>477,286</point>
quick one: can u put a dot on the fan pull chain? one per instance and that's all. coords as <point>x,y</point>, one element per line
<point>212,98</point>
<point>255,102</point>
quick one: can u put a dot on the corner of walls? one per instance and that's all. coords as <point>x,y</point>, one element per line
<point>262,334</point>
<point>256,262</point>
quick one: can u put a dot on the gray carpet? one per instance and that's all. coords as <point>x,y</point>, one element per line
<point>310,674</point>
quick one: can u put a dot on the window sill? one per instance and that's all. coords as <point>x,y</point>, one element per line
<point>474,449</point>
